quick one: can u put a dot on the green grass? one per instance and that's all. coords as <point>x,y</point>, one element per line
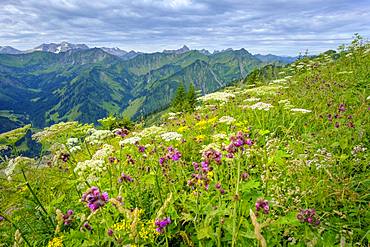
<point>293,160</point>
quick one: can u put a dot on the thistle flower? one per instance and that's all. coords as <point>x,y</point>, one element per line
<point>121,132</point>
<point>262,204</point>
<point>336,125</point>
<point>341,108</point>
<point>350,125</point>
<point>64,157</point>
<point>244,176</point>
<point>113,160</point>
<point>1,218</point>
<point>110,232</point>
<point>129,159</point>
<point>87,226</point>
<point>94,199</point>
<point>125,178</point>
<point>218,186</point>
<point>141,149</point>
<point>67,218</point>
<point>172,154</point>
<point>212,155</point>
<point>161,224</point>
<point>309,216</point>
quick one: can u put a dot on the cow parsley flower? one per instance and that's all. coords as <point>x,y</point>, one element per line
<point>98,136</point>
<point>131,140</point>
<point>261,106</point>
<point>301,110</point>
<point>169,136</point>
<point>226,119</point>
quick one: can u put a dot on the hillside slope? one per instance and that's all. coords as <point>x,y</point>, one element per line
<point>88,84</point>
<point>276,162</point>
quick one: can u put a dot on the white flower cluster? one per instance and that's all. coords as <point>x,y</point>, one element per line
<point>286,103</point>
<point>300,110</point>
<point>14,163</point>
<point>98,136</point>
<point>321,159</point>
<point>264,90</point>
<point>252,99</point>
<point>226,119</point>
<point>104,152</point>
<point>345,72</point>
<point>218,96</point>
<point>261,106</point>
<point>279,81</point>
<point>95,165</point>
<point>358,149</point>
<point>130,140</point>
<point>220,136</point>
<point>92,166</point>
<point>169,136</point>
<point>153,130</point>
<point>214,146</point>
<point>54,130</point>
<point>72,144</point>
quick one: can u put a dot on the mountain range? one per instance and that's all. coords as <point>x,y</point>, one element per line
<point>61,82</point>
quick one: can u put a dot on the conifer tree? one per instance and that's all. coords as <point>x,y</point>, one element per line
<point>191,97</point>
<point>180,96</point>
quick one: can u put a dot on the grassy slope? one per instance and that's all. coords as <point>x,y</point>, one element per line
<point>297,161</point>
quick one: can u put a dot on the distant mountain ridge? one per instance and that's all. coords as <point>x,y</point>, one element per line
<point>9,50</point>
<point>74,83</point>
<point>65,46</point>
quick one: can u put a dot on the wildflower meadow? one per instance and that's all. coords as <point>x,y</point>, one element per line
<point>281,161</point>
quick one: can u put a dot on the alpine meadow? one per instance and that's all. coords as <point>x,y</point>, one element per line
<point>102,146</point>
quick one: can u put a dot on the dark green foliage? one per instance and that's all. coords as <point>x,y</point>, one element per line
<point>191,97</point>
<point>184,101</point>
<point>86,85</point>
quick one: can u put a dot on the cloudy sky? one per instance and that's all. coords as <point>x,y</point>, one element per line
<point>283,27</point>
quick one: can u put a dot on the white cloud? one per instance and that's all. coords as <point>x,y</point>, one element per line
<point>282,27</point>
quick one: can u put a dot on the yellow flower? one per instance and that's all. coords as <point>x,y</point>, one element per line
<point>182,129</point>
<point>201,123</point>
<point>56,242</point>
<point>200,138</point>
<point>212,120</point>
<point>210,174</point>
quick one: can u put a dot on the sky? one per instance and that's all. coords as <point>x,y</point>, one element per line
<point>282,27</point>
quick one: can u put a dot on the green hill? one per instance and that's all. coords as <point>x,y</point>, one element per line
<point>281,159</point>
<point>86,85</point>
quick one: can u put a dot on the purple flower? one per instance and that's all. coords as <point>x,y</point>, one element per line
<point>309,216</point>
<point>64,157</point>
<point>113,160</point>
<point>125,178</point>
<point>70,212</point>
<point>141,149</point>
<point>1,218</point>
<point>330,117</point>
<point>161,160</point>
<point>121,132</point>
<point>94,198</point>
<point>87,226</point>
<point>262,204</point>
<point>336,125</point>
<point>218,186</point>
<point>341,108</point>
<point>172,154</point>
<point>196,166</point>
<point>110,232</point>
<point>161,224</point>
<point>244,176</point>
